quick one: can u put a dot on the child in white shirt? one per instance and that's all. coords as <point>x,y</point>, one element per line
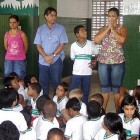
<point>8,99</point>
<point>47,121</point>
<point>74,126</point>
<point>79,95</point>
<point>94,124</point>
<point>61,99</point>
<point>112,128</point>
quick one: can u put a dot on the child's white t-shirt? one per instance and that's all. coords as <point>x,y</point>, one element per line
<point>43,126</point>
<point>91,127</point>
<point>83,109</point>
<point>22,91</point>
<point>74,127</point>
<point>18,108</point>
<point>16,117</point>
<point>82,56</point>
<point>60,104</point>
<point>28,134</point>
<point>131,126</point>
<point>101,135</point>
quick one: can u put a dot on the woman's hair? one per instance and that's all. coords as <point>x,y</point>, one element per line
<point>113,123</point>
<point>131,101</point>
<point>15,17</point>
<point>55,131</point>
<point>93,109</point>
<point>114,9</point>
<point>8,131</point>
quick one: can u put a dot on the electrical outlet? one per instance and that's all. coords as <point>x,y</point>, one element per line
<point>138,82</point>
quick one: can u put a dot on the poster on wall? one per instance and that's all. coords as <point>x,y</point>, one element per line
<point>131,7</point>
<point>19,7</point>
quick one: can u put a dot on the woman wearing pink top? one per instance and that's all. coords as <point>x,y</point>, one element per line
<point>16,45</point>
<point>111,58</point>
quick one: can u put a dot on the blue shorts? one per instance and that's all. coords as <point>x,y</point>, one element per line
<point>18,66</point>
<point>111,76</point>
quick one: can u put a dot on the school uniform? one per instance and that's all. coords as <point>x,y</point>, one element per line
<point>60,104</point>
<point>74,127</point>
<point>91,127</point>
<point>102,135</point>
<point>131,126</point>
<point>18,108</point>
<point>8,114</point>
<point>83,109</point>
<point>43,126</point>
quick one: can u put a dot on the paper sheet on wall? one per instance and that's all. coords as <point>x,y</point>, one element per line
<point>131,7</point>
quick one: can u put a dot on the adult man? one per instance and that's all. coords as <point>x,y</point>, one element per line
<point>50,40</point>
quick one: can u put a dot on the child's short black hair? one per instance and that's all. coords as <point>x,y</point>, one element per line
<point>8,131</point>
<point>27,116</point>
<point>74,104</point>
<point>49,110</point>
<point>7,97</point>
<point>77,28</point>
<point>114,9</point>
<point>36,87</point>
<point>27,79</point>
<point>64,85</point>
<point>41,102</point>
<point>55,131</point>
<point>93,109</point>
<point>13,74</point>
<point>7,81</point>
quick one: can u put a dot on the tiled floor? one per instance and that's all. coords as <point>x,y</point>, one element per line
<point>95,87</point>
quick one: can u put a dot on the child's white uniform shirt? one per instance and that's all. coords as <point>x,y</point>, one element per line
<point>91,127</point>
<point>74,127</point>
<point>22,91</point>
<point>82,56</point>
<point>131,126</point>
<point>101,135</point>
<point>16,117</point>
<point>83,109</point>
<point>18,108</point>
<point>28,134</point>
<point>60,104</point>
<point>43,126</point>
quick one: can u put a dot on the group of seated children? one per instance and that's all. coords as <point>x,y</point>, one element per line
<point>65,117</point>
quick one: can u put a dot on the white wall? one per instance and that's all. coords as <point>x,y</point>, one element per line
<point>74,8</point>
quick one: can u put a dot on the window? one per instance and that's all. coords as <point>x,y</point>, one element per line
<point>99,12</point>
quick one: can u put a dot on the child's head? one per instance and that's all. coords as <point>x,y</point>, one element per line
<point>137,95</point>
<point>73,105</point>
<point>8,97</point>
<point>34,89</point>
<point>49,110</point>
<point>15,75</point>
<point>129,107</point>
<point>28,117</point>
<point>55,134</point>
<point>8,131</point>
<point>29,79</point>
<point>93,109</point>
<point>80,31</point>
<point>113,123</point>
<point>62,89</point>
<point>11,82</point>
<point>97,97</point>
<point>78,93</point>
<point>41,102</point>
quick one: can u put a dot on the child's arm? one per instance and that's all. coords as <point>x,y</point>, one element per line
<point>65,114</point>
<point>21,101</point>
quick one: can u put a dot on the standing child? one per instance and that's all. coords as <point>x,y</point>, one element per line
<point>55,134</point>
<point>79,95</point>
<point>100,99</point>
<point>74,126</point>
<point>130,117</point>
<point>94,124</point>
<point>112,128</point>
<point>60,99</point>
<point>34,90</point>
<point>47,121</point>
<point>82,52</point>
